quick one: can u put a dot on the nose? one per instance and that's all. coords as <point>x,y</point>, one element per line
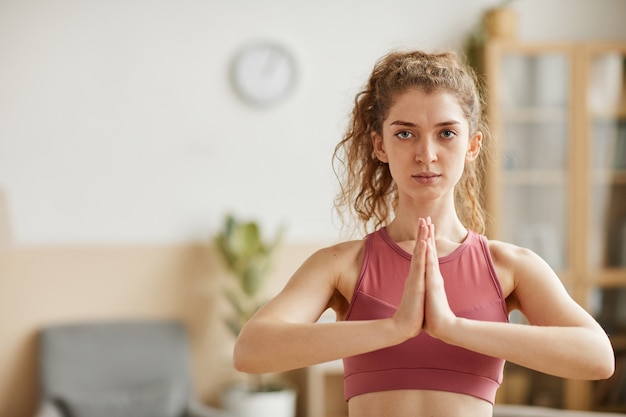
<point>426,152</point>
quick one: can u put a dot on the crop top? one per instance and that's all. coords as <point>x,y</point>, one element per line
<point>423,362</point>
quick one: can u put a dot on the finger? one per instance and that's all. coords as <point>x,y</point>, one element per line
<point>433,276</point>
<point>419,251</point>
<point>431,233</point>
<point>430,256</point>
<point>433,249</point>
<point>420,268</point>
<point>417,269</point>
<point>421,234</point>
<point>430,225</point>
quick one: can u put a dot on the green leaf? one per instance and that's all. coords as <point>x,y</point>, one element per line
<point>248,257</point>
<point>235,302</point>
<point>253,277</point>
<point>234,326</point>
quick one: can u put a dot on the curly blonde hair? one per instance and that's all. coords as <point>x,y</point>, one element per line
<point>368,192</point>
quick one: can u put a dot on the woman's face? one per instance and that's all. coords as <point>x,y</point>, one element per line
<point>426,142</point>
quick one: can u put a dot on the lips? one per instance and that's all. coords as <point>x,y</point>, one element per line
<point>426,177</point>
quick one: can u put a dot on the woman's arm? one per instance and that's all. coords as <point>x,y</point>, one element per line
<point>562,338</point>
<point>284,335</point>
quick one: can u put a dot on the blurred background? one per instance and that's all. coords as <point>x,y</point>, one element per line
<point>123,144</point>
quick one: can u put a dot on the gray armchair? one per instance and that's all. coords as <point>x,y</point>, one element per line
<point>117,369</point>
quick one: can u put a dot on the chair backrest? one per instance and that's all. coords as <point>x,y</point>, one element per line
<point>105,355</point>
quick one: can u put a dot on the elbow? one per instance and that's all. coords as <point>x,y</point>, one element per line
<point>241,360</point>
<point>605,368</point>
<point>604,363</point>
<point>245,358</point>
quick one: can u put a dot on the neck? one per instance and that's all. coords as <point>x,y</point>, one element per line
<point>448,226</point>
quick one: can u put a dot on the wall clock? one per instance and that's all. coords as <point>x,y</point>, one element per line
<point>263,73</point>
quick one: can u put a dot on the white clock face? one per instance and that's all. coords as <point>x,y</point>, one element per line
<point>263,73</point>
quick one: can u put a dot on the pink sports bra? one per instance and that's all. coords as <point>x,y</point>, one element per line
<point>425,363</point>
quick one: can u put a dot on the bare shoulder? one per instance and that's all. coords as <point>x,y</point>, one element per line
<point>530,282</point>
<point>512,263</point>
<point>341,252</point>
<point>331,272</point>
<point>508,254</point>
<point>317,285</point>
<point>339,260</point>
<point>514,259</point>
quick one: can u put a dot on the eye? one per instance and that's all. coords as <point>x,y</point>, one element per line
<point>405,134</point>
<point>448,134</point>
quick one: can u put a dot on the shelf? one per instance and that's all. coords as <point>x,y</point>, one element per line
<point>614,409</point>
<point>535,114</point>
<point>534,177</point>
<point>608,114</point>
<point>609,177</point>
<point>609,278</point>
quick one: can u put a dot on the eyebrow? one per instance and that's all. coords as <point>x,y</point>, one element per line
<point>410,124</point>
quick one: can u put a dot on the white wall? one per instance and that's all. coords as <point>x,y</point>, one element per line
<point>118,123</point>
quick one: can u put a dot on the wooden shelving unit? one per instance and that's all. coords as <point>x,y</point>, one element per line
<point>557,184</point>
<point>324,391</point>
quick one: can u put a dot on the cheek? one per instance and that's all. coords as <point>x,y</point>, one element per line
<point>458,163</point>
<point>399,164</point>
<point>394,168</point>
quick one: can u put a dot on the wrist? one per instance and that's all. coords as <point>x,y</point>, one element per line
<point>398,331</point>
<point>449,330</point>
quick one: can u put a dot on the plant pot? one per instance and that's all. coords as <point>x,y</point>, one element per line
<point>500,23</point>
<point>240,402</point>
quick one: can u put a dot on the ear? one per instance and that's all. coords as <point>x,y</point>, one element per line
<point>379,148</point>
<point>475,143</point>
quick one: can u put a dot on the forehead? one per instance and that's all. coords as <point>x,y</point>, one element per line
<point>415,105</point>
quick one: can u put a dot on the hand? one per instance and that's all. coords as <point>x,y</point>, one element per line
<point>437,313</point>
<point>410,313</point>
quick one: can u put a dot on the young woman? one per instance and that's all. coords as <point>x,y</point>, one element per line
<point>422,302</point>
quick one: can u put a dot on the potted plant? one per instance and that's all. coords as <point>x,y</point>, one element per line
<point>497,22</point>
<point>500,22</point>
<point>249,257</point>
